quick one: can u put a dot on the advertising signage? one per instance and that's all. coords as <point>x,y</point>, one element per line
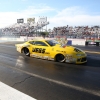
<point>21,20</point>
<point>42,20</point>
<point>30,20</point>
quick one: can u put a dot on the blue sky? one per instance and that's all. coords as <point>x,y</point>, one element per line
<point>58,12</point>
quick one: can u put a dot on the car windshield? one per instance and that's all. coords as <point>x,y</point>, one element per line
<point>52,42</point>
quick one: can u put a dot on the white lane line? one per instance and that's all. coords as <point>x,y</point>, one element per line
<point>93,92</point>
<point>97,93</point>
<point>9,93</point>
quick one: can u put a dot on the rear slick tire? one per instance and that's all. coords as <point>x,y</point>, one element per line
<point>26,51</point>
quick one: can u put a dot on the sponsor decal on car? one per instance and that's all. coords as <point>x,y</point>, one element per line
<point>39,50</point>
<point>69,58</point>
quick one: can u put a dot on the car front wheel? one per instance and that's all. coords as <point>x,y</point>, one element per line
<point>60,58</point>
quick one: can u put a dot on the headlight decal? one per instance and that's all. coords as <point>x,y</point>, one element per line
<point>77,50</point>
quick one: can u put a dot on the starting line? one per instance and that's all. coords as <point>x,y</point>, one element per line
<point>9,93</point>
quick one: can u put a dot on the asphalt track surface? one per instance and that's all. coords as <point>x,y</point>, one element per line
<point>48,80</point>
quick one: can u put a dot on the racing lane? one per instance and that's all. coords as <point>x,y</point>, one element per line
<point>48,80</point>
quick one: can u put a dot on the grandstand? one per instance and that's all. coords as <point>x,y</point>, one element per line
<point>31,28</point>
<point>77,31</point>
<point>23,29</point>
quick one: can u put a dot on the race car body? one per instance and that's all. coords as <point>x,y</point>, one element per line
<point>52,50</point>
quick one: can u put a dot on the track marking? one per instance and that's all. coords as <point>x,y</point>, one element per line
<point>9,93</point>
<point>96,93</point>
<point>92,52</point>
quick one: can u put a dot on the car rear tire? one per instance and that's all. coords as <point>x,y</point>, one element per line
<point>60,58</point>
<point>26,51</point>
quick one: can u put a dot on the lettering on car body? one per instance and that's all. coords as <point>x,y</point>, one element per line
<point>39,50</point>
<point>42,57</point>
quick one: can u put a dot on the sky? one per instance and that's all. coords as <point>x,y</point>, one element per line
<point>58,12</point>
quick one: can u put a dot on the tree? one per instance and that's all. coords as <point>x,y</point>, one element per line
<point>44,34</point>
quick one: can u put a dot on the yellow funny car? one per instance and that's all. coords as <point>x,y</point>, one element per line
<point>52,50</point>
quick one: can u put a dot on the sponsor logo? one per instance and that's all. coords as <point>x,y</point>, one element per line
<point>39,50</point>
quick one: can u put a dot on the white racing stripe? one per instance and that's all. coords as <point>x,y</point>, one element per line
<point>82,89</point>
<point>9,93</point>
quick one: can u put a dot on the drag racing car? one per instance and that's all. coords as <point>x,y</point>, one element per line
<point>52,50</point>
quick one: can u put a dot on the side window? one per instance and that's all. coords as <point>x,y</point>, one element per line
<point>40,43</point>
<point>31,42</point>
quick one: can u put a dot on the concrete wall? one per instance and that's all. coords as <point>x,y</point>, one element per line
<point>78,41</point>
<point>68,41</point>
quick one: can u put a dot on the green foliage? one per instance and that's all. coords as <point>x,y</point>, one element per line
<point>44,34</point>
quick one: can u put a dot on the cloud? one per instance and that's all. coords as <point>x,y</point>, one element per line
<point>33,10</point>
<point>71,11</point>
<point>9,18</point>
<point>72,16</point>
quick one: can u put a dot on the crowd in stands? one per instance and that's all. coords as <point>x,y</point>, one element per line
<point>26,29</point>
<point>77,31</point>
<point>22,29</point>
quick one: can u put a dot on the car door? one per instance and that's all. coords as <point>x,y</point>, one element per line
<point>41,50</point>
